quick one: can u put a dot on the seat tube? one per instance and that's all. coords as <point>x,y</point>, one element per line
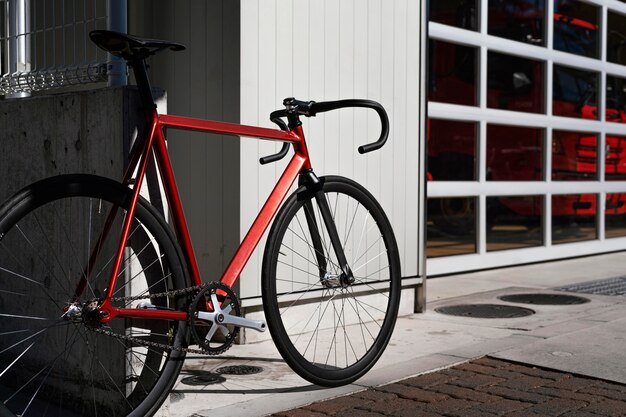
<point>130,213</point>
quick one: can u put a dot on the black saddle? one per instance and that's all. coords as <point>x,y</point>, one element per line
<point>130,47</point>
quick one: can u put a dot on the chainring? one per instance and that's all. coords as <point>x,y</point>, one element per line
<point>214,338</point>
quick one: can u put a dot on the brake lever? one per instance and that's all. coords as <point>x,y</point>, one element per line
<point>275,117</point>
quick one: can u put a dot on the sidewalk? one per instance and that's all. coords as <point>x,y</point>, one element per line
<point>484,387</point>
<point>546,358</point>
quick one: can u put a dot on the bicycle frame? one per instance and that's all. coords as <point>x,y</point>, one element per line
<point>155,143</point>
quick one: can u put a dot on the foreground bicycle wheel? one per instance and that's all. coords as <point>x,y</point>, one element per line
<point>328,331</point>
<point>54,365</point>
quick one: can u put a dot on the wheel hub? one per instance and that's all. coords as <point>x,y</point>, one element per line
<point>336,281</point>
<point>88,313</point>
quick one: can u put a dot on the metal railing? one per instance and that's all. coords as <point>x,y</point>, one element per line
<point>44,44</point>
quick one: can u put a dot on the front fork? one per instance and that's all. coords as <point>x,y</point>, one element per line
<point>315,185</point>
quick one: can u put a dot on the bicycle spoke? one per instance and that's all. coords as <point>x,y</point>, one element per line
<point>16,359</point>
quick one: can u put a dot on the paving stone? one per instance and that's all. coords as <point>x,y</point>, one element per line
<point>525,382</point>
<point>573,383</point>
<point>557,406</point>
<point>524,413</point>
<point>428,380</point>
<point>518,395</point>
<point>415,412</point>
<point>455,391</point>
<point>354,412</point>
<point>375,395</point>
<point>604,392</point>
<point>337,404</point>
<point>477,381</point>
<point>450,405</point>
<point>577,413</point>
<point>563,393</point>
<point>391,407</point>
<point>456,373</point>
<point>412,393</point>
<point>502,406</point>
<point>492,363</point>
<point>610,386</point>
<point>472,413</point>
<point>608,408</point>
<point>487,370</point>
<point>538,372</point>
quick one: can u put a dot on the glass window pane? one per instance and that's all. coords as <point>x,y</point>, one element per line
<point>459,13</point>
<point>518,20</point>
<point>451,226</point>
<point>514,153</point>
<point>615,99</point>
<point>573,218</point>
<point>574,156</point>
<point>615,220</point>
<point>576,28</point>
<point>616,38</point>
<point>514,83</point>
<point>514,222</point>
<point>574,93</point>
<point>615,158</point>
<point>452,150</point>
<point>453,73</point>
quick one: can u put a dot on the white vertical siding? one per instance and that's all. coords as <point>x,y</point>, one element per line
<point>329,50</point>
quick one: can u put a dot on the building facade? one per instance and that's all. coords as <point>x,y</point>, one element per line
<point>525,138</point>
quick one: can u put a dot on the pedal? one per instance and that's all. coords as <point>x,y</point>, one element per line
<point>222,319</point>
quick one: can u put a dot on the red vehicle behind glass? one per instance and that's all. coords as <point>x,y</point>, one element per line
<point>516,153</point>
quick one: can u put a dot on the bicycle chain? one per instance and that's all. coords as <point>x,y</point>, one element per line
<point>183,291</point>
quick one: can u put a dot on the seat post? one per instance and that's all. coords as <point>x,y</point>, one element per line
<point>143,83</point>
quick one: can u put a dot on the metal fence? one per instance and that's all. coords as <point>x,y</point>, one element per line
<point>44,44</point>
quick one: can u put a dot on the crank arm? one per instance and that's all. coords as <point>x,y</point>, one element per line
<point>222,319</point>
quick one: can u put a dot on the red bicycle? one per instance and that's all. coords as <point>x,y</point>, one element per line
<point>101,299</point>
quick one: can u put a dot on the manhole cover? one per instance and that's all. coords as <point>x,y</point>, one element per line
<point>204,378</point>
<point>239,370</point>
<point>544,299</point>
<point>485,311</point>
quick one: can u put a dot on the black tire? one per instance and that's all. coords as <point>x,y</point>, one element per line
<point>310,320</point>
<point>53,366</point>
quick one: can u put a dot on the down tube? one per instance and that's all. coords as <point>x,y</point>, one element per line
<point>263,220</point>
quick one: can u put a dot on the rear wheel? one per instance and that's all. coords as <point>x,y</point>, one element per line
<point>328,329</point>
<point>54,360</point>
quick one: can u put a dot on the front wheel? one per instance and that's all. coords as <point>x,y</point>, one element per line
<point>331,330</point>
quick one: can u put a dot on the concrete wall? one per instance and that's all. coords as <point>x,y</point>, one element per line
<point>50,135</point>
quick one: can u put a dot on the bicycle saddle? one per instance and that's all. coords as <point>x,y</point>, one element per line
<point>130,47</point>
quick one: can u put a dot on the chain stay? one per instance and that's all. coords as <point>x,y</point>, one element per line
<point>183,291</point>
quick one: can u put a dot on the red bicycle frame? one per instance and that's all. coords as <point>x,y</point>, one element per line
<point>155,143</point>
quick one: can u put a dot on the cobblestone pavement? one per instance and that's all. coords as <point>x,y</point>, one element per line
<point>485,387</point>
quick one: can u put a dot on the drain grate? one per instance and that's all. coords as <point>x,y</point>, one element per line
<point>610,286</point>
<point>485,311</point>
<point>203,378</point>
<point>239,370</point>
<point>544,299</point>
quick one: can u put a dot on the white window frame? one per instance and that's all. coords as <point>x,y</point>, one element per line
<point>481,114</point>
